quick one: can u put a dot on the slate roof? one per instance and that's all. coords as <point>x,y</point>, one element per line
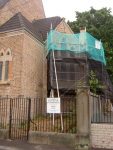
<point>44,25</point>
<point>3,2</point>
<point>37,28</point>
<point>18,21</point>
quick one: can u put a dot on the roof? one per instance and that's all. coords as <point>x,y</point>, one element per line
<point>38,28</point>
<point>44,25</point>
<point>3,2</point>
<point>18,21</point>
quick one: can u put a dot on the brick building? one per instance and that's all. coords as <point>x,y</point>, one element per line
<point>31,9</point>
<point>23,38</point>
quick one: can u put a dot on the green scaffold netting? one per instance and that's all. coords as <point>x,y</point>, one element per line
<point>76,43</point>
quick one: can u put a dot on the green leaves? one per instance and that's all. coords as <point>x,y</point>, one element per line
<point>81,83</point>
<point>99,23</point>
<point>93,82</point>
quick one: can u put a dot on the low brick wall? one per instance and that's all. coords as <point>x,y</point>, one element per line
<point>102,136</point>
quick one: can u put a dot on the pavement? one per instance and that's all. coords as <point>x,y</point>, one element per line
<point>21,145</point>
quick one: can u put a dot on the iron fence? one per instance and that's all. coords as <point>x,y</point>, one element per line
<point>20,115</point>
<point>61,123</point>
<point>4,113</point>
<point>101,108</point>
<point>19,121</point>
<point>15,116</point>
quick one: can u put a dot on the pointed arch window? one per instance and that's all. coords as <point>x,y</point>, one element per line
<point>63,47</point>
<point>5,61</point>
<point>6,69</point>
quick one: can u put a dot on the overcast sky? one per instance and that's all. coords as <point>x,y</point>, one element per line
<point>67,8</point>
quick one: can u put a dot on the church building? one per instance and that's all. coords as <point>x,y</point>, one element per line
<point>23,47</point>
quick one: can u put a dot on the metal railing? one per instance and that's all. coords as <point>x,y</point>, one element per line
<point>4,113</point>
<point>15,116</point>
<point>19,121</point>
<point>20,115</point>
<point>61,123</point>
<point>101,108</point>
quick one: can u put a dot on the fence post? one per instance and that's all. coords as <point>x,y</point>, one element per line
<point>29,110</point>
<point>83,118</point>
<point>10,119</point>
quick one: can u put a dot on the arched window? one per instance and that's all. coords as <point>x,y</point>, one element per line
<point>63,47</point>
<point>5,61</point>
<point>72,48</point>
<point>63,44</point>
<point>6,69</point>
<point>1,54</point>
<point>8,53</point>
<point>1,63</point>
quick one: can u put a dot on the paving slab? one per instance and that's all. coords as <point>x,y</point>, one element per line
<point>21,145</point>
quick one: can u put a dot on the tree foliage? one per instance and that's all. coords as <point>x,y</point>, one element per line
<point>99,23</point>
<point>93,82</point>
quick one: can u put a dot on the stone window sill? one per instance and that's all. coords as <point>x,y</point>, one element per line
<point>5,82</point>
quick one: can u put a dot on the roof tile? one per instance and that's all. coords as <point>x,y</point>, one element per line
<point>38,28</point>
<point>18,21</point>
<point>44,25</point>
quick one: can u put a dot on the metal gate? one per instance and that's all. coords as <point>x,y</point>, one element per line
<point>19,123</point>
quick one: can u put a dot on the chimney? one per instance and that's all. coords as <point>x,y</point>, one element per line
<point>83,29</point>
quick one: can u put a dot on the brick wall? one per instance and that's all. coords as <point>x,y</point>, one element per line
<point>30,9</point>
<point>32,72</point>
<point>26,72</point>
<point>102,136</point>
<point>45,72</point>
<point>15,43</point>
<point>64,28</point>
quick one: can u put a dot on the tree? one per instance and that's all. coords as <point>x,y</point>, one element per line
<point>99,23</point>
<point>93,82</point>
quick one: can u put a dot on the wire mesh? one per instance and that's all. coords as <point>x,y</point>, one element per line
<point>76,44</point>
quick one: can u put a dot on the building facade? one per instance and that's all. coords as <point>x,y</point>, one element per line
<point>30,9</point>
<point>23,52</point>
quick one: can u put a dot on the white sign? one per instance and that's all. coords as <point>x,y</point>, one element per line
<point>97,44</point>
<point>53,105</point>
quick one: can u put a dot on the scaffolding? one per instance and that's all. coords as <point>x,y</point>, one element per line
<point>75,55</point>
